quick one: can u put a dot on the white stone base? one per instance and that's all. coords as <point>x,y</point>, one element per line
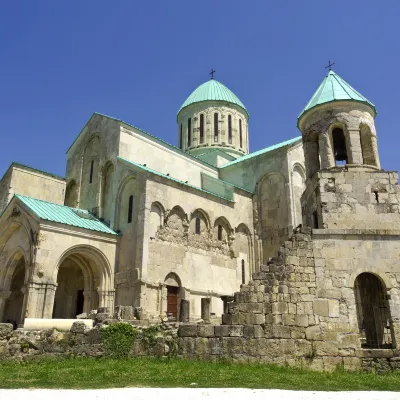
<point>35,324</point>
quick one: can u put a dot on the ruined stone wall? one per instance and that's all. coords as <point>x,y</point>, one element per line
<point>348,198</point>
<point>294,313</point>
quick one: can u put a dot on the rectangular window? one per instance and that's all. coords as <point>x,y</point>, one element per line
<point>201,128</point>
<point>229,129</point>
<point>189,138</point>
<point>91,172</point>
<point>240,133</point>
<point>216,127</point>
<point>243,273</point>
<point>130,209</point>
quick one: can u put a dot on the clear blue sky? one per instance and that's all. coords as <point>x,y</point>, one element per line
<point>139,60</point>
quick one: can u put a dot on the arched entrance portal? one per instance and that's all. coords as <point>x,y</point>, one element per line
<point>173,284</point>
<point>373,312</point>
<point>15,301</point>
<point>84,283</point>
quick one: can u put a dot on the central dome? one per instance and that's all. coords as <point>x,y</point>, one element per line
<point>212,90</point>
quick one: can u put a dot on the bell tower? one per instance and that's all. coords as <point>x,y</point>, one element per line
<point>345,188</point>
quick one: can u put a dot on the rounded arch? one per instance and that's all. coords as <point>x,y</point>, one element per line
<point>71,194</point>
<point>122,199</point>
<point>107,190</point>
<point>173,279</point>
<point>222,229</point>
<point>368,145</point>
<point>298,179</point>
<point>382,277</point>
<point>199,212</point>
<point>85,253</point>
<point>179,211</point>
<point>157,213</point>
<point>7,274</point>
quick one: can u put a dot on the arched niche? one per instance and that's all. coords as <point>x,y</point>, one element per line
<point>222,229</point>
<point>156,218</point>
<point>368,146</point>
<point>298,186</point>
<point>71,194</point>
<point>373,312</point>
<point>199,222</point>
<point>107,191</point>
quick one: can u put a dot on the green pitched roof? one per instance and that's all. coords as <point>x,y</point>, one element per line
<point>64,215</point>
<point>263,151</point>
<point>212,90</point>
<point>334,88</point>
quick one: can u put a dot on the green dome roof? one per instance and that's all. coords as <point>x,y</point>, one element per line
<point>212,90</point>
<point>334,88</point>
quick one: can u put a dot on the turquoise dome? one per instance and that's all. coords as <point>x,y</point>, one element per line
<point>213,90</point>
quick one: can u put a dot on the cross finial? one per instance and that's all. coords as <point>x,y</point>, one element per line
<point>330,65</point>
<point>212,73</point>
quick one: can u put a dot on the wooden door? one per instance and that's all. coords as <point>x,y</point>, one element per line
<point>172,301</point>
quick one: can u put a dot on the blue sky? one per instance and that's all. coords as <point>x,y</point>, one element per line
<point>139,60</point>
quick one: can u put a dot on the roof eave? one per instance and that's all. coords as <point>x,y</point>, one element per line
<point>306,112</point>
<point>206,101</point>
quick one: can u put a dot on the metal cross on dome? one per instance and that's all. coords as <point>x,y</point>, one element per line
<point>330,65</point>
<point>212,73</point>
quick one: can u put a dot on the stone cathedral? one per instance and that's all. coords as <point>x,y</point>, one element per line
<point>142,223</point>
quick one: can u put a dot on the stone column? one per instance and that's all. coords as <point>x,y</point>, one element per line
<point>87,302</point>
<point>164,293</point>
<point>106,299</point>
<point>184,312</point>
<point>374,145</point>
<point>354,150</point>
<point>311,158</point>
<point>205,309</point>
<point>325,151</point>
<point>4,295</point>
<point>39,299</point>
<point>226,300</point>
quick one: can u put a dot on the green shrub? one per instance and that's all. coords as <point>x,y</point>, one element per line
<point>118,339</point>
<point>149,336</point>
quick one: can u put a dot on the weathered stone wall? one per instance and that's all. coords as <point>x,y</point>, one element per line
<point>293,312</point>
<point>352,198</point>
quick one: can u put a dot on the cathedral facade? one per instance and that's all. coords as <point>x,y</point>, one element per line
<point>139,222</point>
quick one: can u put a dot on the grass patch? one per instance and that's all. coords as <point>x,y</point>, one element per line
<point>86,373</point>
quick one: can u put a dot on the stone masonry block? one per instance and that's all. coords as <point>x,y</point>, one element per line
<point>205,331</point>
<point>236,330</point>
<point>326,348</point>
<point>187,330</point>
<point>321,307</point>
<point>221,330</point>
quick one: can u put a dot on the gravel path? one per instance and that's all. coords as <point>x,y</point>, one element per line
<point>190,394</point>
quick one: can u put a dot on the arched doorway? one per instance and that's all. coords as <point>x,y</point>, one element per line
<point>84,283</point>
<point>173,284</point>
<point>373,312</point>
<point>15,301</point>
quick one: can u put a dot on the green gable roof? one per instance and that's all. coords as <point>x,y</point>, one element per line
<point>64,215</point>
<point>334,88</point>
<point>263,151</point>
<point>213,90</point>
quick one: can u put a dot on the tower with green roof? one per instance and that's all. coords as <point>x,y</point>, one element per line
<point>213,118</point>
<point>338,128</point>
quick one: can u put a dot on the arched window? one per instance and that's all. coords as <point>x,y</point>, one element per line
<point>201,128</point>
<point>339,146</point>
<point>372,312</point>
<point>130,209</point>
<point>243,273</point>
<point>189,137</point>
<point>240,133</point>
<point>198,226</point>
<point>219,232</point>
<point>230,129</point>
<point>181,137</point>
<point>215,127</point>
<point>91,171</point>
